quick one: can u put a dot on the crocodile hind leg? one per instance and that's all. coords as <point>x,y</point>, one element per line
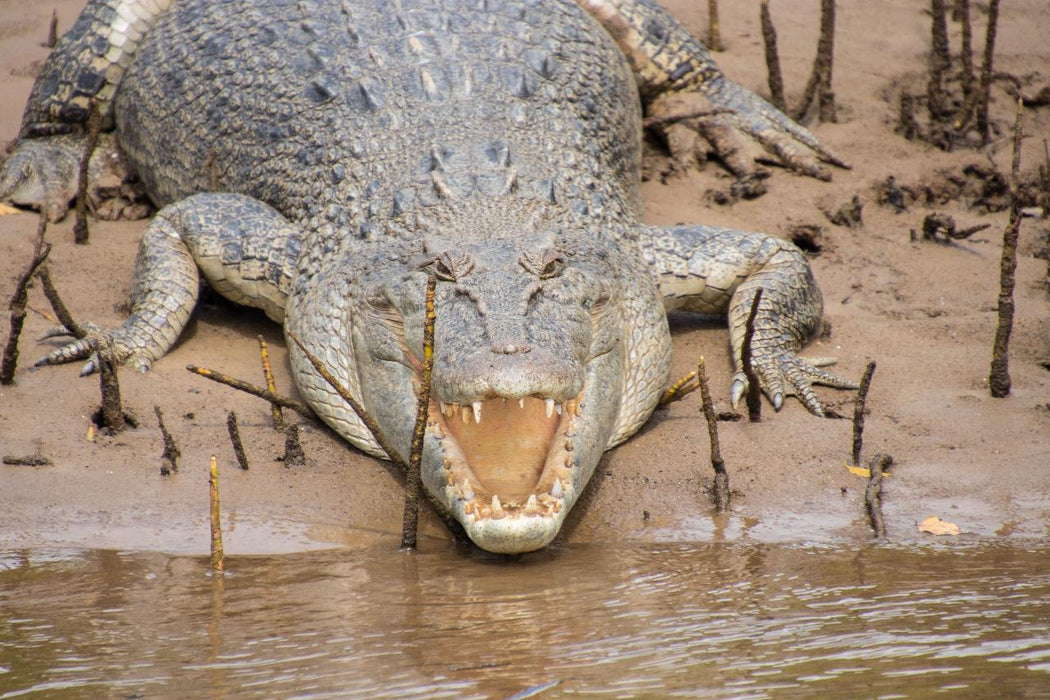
<point>85,68</point>
<point>713,270</point>
<point>245,250</point>
<point>678,79</point>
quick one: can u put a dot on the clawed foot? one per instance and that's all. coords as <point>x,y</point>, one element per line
<point>116,345</point>
<point>789,374</point>
<point>43,174</point>
<point>720,118</point>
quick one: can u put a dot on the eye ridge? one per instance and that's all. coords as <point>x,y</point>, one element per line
<point>547,263</point>
<point>449,267</point>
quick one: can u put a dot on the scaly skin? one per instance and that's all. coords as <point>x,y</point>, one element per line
<point>355,149</point>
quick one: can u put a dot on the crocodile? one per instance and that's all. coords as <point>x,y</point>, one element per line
<point>321,159</point>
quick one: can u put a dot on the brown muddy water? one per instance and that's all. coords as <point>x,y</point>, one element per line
<point>699,620</point>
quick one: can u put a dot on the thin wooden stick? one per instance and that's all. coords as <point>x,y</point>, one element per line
<point>414,485</point>
<point>293,447</point>
<point>720,492</point>
<point>999,376</point>
<point>774,75</point>
<point>169,459</point>
<point>714,27</point>
<point>217,564</point>
<point>52,31</point>
<point>297,406</point>
<point>235,439</point>
<point>826,59</point>
<point>858,411</point>
<point>94,124</point>
<point>939,60</point>
<point>873,493</point>
<point>984,92</point>
<point>58,306</point>
<point>275,409</point>
<point>18,302</point>
<point>966,52</point>
<point>754,392</point>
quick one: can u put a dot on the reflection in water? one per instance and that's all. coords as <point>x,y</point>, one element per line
<point>697,620</point>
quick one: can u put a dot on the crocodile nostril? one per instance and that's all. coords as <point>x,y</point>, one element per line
<point>510,348</point>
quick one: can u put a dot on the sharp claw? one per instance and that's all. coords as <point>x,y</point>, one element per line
<point>90,367</point>
<point>778,401</point>
<point>737,391</point>
<point>54,332</point>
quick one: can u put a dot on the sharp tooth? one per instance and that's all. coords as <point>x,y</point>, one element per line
<point>465,492</point>
<point>477,411</point>
<point>450,409</point>
<point>465,414</point>
<point>497,509</point>
<point>521,402</point>
<point>531,506</point>
<point>556,490</point>
<point>550,406</point>
<point>557,407</point>
<point>442,406</point>
<point>569,446</point>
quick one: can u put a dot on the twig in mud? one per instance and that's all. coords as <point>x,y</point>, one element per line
<point>297,406</point>
<point>754,392</point>
<point>94,124</point>
<point>962,10</point>
<point>169,459</point>
<point>293,448</point>
<point>939,60</point>
<point>976,107</point>
<point>679,390</point>
<point>17,305</point>
<point>858,411</point>
<point>275,409</point>
<point>939,224</point>
<point>357,408</point>
<point>110,415</point>
<point>775,77</point>
<point>57,305</point>
<point>720,492</point>
<point>29,461</point>
<point>217,564</point>
<point>714,27</point>
<point>235,438</point>
<point>873,493</point>
<point>414,484</point>
<point>52,31</point>
<point>999,376</point>
<point>819,84</point>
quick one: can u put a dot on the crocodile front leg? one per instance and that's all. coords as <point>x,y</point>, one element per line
<point>246,251</point>
<point>678,78</point>
<point>713,270</point>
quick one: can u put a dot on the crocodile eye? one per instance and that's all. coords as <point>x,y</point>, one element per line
<point>449,267</point>
<point>548,263</point>
<point>443,270</point>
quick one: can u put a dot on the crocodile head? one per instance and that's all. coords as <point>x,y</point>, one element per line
<point>531,366</point>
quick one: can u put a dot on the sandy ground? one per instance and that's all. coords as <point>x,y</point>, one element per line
<point>924,311</point>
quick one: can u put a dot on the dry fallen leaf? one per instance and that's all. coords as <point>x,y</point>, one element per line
<point>7,209</point>
<point>936,526</point>
<point>862,471</point>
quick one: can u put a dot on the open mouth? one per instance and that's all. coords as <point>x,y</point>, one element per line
<point>507,457</point>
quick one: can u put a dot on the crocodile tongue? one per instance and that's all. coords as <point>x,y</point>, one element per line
<point>507,450</point>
